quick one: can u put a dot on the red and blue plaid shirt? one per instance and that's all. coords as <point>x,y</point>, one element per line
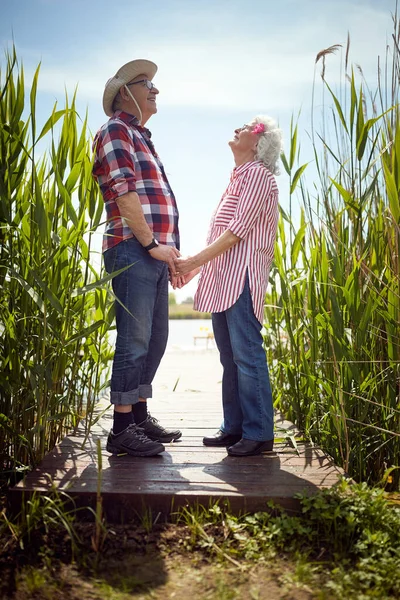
<point>126,161</point>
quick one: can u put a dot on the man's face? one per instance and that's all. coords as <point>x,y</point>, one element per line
<point>145,98</point>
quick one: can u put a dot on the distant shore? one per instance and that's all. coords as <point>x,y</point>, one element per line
<point>185,311</point>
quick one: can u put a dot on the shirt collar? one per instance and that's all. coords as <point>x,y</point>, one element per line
<point>131,120</point>
<point>243,168</point>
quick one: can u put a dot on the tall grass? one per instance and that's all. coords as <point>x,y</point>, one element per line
<point>53,310</point>
<point>334,337</point>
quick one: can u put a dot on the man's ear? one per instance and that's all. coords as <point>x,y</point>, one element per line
<point>123,92</point>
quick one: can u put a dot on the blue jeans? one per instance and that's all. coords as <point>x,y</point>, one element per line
<point>142,327</point>
<point>246,390</point>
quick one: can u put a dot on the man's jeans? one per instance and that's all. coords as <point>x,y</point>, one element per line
<point>141,290</point>
<point>246,390</point>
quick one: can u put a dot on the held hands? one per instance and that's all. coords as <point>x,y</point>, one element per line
<point>184,271</point>
<point>184,266</point>
<point>166,254</point>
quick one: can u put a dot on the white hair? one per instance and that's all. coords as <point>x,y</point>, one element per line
<point>270,143</point>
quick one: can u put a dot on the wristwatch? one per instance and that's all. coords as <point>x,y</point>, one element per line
<point>152,245</point>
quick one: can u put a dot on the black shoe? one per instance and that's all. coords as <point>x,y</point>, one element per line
<point>222,439</point>
<point>250,448</point>
<point>133,441</point>
<point>156,432</point>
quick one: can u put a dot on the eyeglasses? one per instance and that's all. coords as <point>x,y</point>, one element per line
<point>243,127</point>
<point>149,84</point>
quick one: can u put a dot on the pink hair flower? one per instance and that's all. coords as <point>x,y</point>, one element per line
<point>259,128</point>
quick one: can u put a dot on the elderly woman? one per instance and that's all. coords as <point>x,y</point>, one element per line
<point>234,269</point>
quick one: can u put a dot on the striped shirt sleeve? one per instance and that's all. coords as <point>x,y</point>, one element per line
<point>115,152</point>
<point>252,200</point>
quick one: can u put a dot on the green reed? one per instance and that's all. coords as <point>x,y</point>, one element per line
<point>53,305</point>
<point>333,309</point>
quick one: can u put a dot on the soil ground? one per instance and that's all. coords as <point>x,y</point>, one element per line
<point>144,566</point>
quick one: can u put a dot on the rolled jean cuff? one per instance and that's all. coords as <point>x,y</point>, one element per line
<point>125,398</point>
<point>145,390</point>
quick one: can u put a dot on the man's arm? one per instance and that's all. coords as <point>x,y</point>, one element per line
<point>131,210</point>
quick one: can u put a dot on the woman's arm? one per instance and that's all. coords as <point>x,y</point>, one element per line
<point>221,245</point>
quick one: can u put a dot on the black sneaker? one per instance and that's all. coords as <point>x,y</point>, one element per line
<point>156,432</point>
<point>133,441</point>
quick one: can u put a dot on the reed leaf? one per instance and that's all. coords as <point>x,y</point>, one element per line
<point>333,313</point>
<point>53,330</point>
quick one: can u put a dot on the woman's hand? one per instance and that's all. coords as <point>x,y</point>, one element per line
<point>183,266</point>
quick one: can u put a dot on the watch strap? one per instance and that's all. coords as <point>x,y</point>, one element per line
<point>152,245</point>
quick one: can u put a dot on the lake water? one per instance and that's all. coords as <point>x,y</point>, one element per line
<point>182,333</point>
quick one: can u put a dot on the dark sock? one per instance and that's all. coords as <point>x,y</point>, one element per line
<point>139,412</point>
<point>121,421</point>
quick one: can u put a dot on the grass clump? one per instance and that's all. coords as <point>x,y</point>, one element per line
<point>347,539</point>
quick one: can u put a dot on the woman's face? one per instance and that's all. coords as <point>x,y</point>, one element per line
<point>244,139</point>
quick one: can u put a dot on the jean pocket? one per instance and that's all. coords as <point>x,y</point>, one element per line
<point>109,259</point>
<point>117,257</point>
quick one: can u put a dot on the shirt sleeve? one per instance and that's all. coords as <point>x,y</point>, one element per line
<point>252,200</point>
<point>115,151</point>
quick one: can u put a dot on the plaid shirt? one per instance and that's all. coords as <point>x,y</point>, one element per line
<point>126,161</point>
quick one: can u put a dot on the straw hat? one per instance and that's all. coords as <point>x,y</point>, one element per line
<point>124,75</point>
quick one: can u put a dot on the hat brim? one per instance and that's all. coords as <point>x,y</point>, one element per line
<point>124,75</point>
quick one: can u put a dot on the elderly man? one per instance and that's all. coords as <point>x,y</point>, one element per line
<point>140,243</point>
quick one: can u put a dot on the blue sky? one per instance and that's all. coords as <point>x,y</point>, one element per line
<point>220,63</point>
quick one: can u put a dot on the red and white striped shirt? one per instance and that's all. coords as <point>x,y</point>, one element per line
<point>248,208</point>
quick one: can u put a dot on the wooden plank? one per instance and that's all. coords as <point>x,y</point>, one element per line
<point>187,472</point>
<point>74,445</point>
<point>157,488</point>
<point>240,476</point>
<point>313,461</point>
<point>179,458</point>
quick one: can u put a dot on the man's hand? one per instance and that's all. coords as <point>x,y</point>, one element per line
<point>184,279</point>
<point>166,254</point>
<point>176,281</point>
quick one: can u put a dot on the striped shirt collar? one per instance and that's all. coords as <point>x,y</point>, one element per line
<point>242,168</point>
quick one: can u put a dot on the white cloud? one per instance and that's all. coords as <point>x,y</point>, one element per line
<point>235,68</point>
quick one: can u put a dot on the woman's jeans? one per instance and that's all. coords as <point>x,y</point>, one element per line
<point>141,310</point>
<point>246,391</point>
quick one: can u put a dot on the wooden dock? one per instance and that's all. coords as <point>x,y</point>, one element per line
<point>186,395</point>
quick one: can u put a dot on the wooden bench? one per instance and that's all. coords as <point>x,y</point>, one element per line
<point>204,336</point>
